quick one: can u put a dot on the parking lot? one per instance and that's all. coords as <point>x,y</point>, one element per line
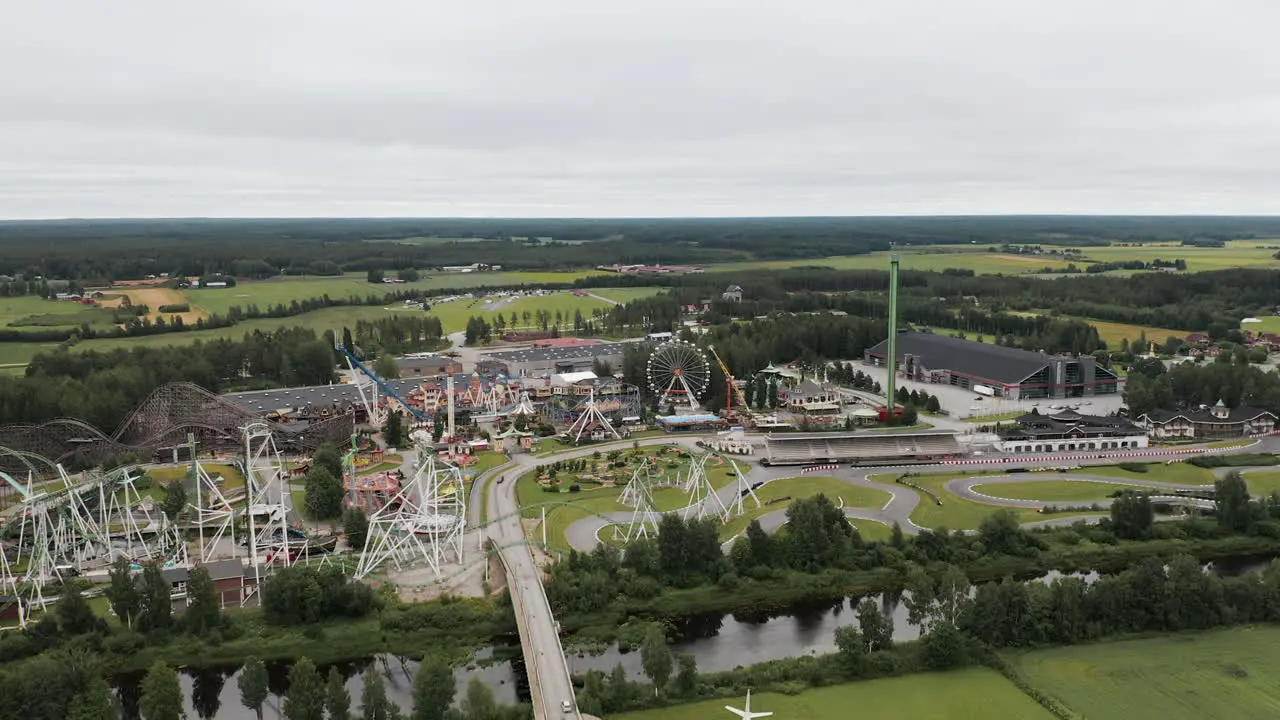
<point>962,403</point>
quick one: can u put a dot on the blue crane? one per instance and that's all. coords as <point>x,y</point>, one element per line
<point>419,415</point>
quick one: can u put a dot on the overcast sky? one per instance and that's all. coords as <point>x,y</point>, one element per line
<point>151,108</point>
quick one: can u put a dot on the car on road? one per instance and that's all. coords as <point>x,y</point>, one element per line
<point>566,706</point>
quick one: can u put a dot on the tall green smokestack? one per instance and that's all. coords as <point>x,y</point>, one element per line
<point>891,356</point>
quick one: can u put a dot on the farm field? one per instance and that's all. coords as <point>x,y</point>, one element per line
<point>1237,254</point>
<point>922,258</point>
<point>955,513</point>
<point>156,297</point>
<point>1055,491</point>
<point>453,316</point>
<point>286,290</point>
<point>972,694</point>
<point>777,495</point>
<point>1223,674</point>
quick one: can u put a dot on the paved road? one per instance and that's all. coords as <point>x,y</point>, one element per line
<point>549,680</point>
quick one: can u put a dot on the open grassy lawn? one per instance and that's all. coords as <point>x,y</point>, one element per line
<point>1263,482</point>
<point>1112,332</point>
<point>872,531</point>
<point>972,694</point>
<point>454,315</point>
<point>1227,674</point>
<point>1178,472</point>
<point>627,294</point>
<point>1268,324</point>
<point>485,461</point>
<point>1051,491</point>
<point>778,494</point>
<point>954,513</point>
<point>286,290</point>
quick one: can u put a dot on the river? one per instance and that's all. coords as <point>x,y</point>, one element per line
<point>719,641</point>
<point>213,692</point>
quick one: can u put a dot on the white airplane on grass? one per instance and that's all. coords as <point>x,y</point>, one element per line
<point>745,713</point>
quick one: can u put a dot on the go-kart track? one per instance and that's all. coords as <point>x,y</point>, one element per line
<point>588,532</point>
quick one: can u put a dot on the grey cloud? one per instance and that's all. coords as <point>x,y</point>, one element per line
<point>574,107</point>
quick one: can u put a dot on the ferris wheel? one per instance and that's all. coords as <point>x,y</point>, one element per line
<point>678,373</point>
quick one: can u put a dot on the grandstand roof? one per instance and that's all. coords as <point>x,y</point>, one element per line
<point>981,360</point>
<point>851,435</point>
<point>557,353</point>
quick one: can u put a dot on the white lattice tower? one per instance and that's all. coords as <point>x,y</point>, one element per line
<point>214,515</point>
<point>744,491</point>
<point>589,417</point>
<point>644,518</point>
<point>268,495</point>
<point>367,389</point>
<point>423,523</point>
<point>703,500</point>
<point>131,523</point>
<point>637,485</point>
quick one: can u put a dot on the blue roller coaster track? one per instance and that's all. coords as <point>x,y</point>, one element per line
<point>418,414</point>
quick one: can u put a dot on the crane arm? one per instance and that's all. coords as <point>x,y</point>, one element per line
<point>728,377</point>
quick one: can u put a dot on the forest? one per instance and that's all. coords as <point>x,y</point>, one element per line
<point>131,249</point>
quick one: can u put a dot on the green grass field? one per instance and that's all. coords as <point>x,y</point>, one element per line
<point>928,257</point>
<point>454,315</point>
<point>1051,491</point>
<point>1237,254</point>
<point>1263,482</point>
<point>1179,473</point>
<point>954,513</point>
<point>626,295</point>
<point>973,694</point>
<point>286,290</point>
<point>1228,674</point>
<point>803,487</point>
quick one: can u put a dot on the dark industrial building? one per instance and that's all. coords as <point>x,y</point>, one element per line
<point>994,370</point>
<point>544,362</point>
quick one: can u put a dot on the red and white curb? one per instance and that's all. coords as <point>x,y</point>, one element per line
<point>816,468</point>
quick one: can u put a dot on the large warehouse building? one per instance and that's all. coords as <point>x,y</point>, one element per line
<point>544,362</point>
<point>995,370</point>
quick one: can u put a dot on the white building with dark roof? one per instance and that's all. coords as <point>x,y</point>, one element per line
<point>1209,423</point>
<point>1069,431</point>
<point>995,370</point>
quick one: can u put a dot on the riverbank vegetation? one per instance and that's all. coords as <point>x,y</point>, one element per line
<point>990,625</point>
<point>306,612</point>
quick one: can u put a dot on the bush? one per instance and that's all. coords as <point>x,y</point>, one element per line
<point>1240,460</point>
<point>178,308</point>
<point>575,488</point>
<point>1134,467</point>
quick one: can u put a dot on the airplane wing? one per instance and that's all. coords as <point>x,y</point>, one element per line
<point>736,711</point>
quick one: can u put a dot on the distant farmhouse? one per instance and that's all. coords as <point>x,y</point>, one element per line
<point>994,370</point>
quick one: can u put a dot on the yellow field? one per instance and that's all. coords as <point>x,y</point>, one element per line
<point>154,297</point>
